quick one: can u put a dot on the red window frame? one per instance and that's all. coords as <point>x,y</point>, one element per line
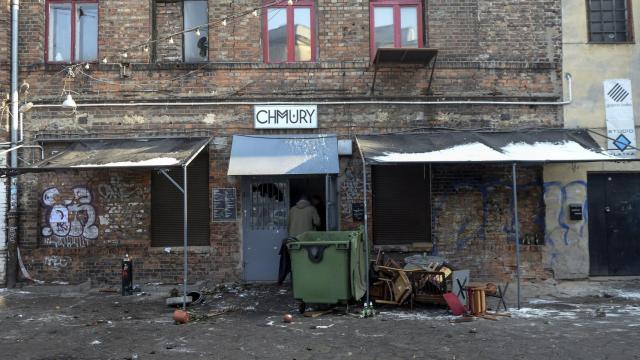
<point>396,5</point>
<point>73,4</point>
<point>291,55</point>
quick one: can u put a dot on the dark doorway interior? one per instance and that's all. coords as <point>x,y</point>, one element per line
<point>310,186</point>
<point>614,223</point>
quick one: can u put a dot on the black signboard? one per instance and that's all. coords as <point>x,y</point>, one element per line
<point>224,204</point>
<point>575,212</point>
<point>357,211</point>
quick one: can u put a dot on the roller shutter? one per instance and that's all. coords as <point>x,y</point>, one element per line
<point>167,205</point>
<point>401,206</point>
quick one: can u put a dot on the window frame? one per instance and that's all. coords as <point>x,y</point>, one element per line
<point>397,31</point>
<point>74,19</point>
<point>184,18</point>
<point>629,23</point>
<point>291,55</point>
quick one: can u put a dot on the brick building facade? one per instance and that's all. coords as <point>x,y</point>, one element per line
<point>499,51</point>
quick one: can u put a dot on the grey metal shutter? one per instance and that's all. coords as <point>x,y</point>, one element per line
<point>167,205</point>
<point>401,206</point>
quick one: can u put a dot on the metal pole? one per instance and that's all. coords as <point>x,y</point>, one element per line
<point>517,227</point>
<point>184,233</point>
<point>366,219</point>
<point>12,220</point>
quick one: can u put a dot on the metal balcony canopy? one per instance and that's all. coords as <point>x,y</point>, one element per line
<point>156,153</point>
<point>283,155</point>
<point>389,57</point>
<point>532,146</point>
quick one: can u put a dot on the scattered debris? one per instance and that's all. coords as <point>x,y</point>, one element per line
<point>322,326</point>
<point>599,312</point>
<point>314,314</point>
<point>96,342</point>
<point>178,300</point>
<point>180,317</point>
<point>473,331</point>
<point>108,290</point>
<point>288,318</point>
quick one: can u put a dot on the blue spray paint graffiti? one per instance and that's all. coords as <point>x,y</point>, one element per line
<point>463,233</point>
<point>557,198</point>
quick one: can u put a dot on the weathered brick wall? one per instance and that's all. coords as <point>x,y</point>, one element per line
<point>474,224</point>
<point>504,52</point>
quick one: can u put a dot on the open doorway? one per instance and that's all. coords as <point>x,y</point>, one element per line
<point>313,188</point>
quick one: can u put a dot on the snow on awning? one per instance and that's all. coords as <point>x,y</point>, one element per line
<point>283,155</point>
<point>121,153</point>
<point>550,145</point>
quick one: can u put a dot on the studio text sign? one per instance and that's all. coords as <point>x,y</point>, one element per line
<point>285,117</point>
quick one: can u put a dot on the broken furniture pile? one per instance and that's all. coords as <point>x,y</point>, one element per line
<point>430,280</point>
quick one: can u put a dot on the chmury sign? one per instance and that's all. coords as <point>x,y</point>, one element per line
<point>285,117</point>
<point>619,114</point>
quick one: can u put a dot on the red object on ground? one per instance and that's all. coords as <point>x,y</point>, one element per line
<point>454,304</point>
<point>181,316</point>
<point>287,318</point>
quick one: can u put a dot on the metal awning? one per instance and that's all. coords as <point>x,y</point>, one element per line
<point>534,146</point>
<point>152,153</point>
<point>283,155</point>
<point>386,57</point>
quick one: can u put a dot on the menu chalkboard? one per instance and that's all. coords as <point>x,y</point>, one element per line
<point>224,204</point>
<point>357,211</point>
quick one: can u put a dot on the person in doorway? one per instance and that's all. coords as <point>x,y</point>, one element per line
<point>317,202</point>
<point>302,217</point>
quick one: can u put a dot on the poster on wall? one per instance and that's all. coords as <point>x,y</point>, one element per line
<point>224,204</point>
<point>618,106</point>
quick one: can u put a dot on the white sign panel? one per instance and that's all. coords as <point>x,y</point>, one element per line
<point>619,114</point>
<point>285,117</point>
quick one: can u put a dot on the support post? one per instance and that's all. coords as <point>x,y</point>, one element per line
<point>366,219</point>
<point>12,219</point>
<point>517,227</point>
<point>185,228</point>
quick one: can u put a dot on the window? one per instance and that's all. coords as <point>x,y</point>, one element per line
<point>396,24</point>
<point>289,32</point>
<point>609,21</point>
<point>196,44</point>
<point>395,186</point>
<point>72,30</point>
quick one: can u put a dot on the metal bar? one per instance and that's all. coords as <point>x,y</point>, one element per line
<point>185,227</point>
<point>433,67</point>
<point>326,202</point>
<point>366,218</point>
<point>517,227</point>
<point>197,152</point>
<point>164,172</point>
<point>375,74</point>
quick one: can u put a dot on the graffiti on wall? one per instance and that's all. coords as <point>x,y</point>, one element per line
<point>117,190</point>
<point>557,197</point>
<point>70,221</point>
<point>57,262</point>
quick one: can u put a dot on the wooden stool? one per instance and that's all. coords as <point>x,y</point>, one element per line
<point>476,299</point>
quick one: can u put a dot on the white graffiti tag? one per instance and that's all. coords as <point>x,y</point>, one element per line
<point>69,222</point>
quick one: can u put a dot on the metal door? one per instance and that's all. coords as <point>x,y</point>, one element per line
<point>614,223</point>
<point>266,210</point>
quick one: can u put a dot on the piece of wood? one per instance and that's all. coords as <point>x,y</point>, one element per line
<point>496,313</point>
<point>489,317</point>
<point>315,314</point>
<point>388,302</point>
<point>463,319</point>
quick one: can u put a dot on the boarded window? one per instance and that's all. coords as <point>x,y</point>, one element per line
<point>609,21</point>
<point>401,205</point>
<point>167,205</point>
<point>174,17</point>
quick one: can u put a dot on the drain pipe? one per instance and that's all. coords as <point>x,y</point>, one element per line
<point>12,219</point>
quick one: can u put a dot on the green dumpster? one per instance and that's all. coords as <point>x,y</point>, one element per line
<point>327,267</point>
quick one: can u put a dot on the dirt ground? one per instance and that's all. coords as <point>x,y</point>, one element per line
<point>45,324</point>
